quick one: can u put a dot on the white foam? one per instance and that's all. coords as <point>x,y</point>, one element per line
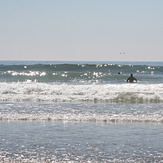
<point>114,118</point>
<point>119,93</point>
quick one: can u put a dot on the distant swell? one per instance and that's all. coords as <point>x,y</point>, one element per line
<point>65,73</point>
<point>76,67</point>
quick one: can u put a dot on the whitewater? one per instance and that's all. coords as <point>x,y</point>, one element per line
<point>96,93</point>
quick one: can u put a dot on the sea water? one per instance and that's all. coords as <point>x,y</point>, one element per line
<point>81,112</point>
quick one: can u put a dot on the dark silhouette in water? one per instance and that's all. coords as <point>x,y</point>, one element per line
<point>131,79</point>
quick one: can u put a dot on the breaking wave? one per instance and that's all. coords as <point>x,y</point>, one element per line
<point>94,93</point>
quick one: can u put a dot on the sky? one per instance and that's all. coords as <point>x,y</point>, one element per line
<point>81,30</point>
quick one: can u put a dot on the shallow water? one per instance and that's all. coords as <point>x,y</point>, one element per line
<point>82,112</point>
<point>81,132</point>
<point>80,142</point>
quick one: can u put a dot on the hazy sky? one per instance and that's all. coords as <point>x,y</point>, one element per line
<point>82,30</point>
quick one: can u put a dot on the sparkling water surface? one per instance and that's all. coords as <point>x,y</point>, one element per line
<point>81,112</point>
<point>80,142</point>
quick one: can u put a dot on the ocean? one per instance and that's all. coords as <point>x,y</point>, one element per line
<point>53,111</point>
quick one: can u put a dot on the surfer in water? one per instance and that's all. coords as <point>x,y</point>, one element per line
<point>131,79</point>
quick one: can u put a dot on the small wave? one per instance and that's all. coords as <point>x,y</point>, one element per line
<point>119,118</point>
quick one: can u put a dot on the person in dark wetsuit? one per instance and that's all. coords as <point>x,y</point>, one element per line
<point>131,79</point>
